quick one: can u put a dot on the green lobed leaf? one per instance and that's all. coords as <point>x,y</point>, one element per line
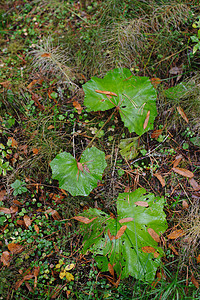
<point>135,97</point>
<point>76,181</point>
<point>126,254</point>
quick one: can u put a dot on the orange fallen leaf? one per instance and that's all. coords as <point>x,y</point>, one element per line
<point>5,258</point>
<point>111,237</point>
<point>146,121</point>
<point>182,113</point>
<point>14,142</point>
<point>194,184</point>
<point>54,213</point>
<point>173,249</point>
<point>106,93</point>
<point>160,178</point>
<point>111,270</point>
<point>36,273</point>
<point>176,234</point>
<point>15,248</point>
<point>83,219</point>
<point>27,221</point>
<point>13,209</point>
<point>126,220</point>
<point>35,151</point>
<point>120,232</point>
<point>155,81</point>
<point>19,283</point>
<point>183,172</point>
<point>5,210</point>
<point>32,84</point>
<point>36,228</point>
<point>198,259</point>
<point>46,55</point>
<point>177,160</point>
<point>185,204</point>
<point>156,133</point>
<point>2,194</point>
<point>149,249</point>
<point>195,282</point>
<point>50,127</point>
<point>142,203</point>
<point>154,235</point>
<point>77,105</point>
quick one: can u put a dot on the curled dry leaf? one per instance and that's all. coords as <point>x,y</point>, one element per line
<point>77,105</point>
<point>5,258</point>
<point>176,234</point>
<point>160,178</point>
<point>177,160</point>
<point>126,220</point>
<point>111,270</point>
<point>146,121</point>
<point>15,248</point>
<point>185,204</point>
<point>83,219</point>
<point>27,221</point>
<point>183,172</point>
<point>54,213</point>
<point>120,232</point>
<point>154,235</point>
<point>182,113</point>
<point>142,203</point>
<point>194,184</point>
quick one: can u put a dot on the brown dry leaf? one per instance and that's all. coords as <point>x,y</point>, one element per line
<point>111,237</point>
<point>14,142</point>
<point>20,222</point>
<point>5,258</point>
<point>32,84</point>
<point>5,210</point>
<point>19,283</point>
<point>2,194</point>
<point>46,55</point>
<point>118,281</point>
<point>36,228</point>
<point>183,172</point>
<point>106,93</point>
<point>198,259</point>
<point>51,127</point>
<point>111,270</point>
<point>154,235</point>
<point>146,121</point>
<point>15,248</point>
<point>185,204</point>
<point>77,105</point>
<point>36,273</point>
<point>54,213</point>
<point>176,234</point>
<point>13,209</point>
<point>173,249</point>
<point>160,178</point>
<point>182,113</point>
<point>35,151</point>
<point>148,249</point>
<point>120,232</point>
<point>27,221</point>
<point>84,219</point>
<point>194,184</point>
<point>156,133</point>
<point>142,203</point>
<point>17,202</point>
<point>195,282</point>
<point>177,160</point>
<point>126,220</point>
<point>155,81</point>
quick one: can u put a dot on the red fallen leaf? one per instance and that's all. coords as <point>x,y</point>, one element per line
<point>146,121</point>
<point>14,142</point>
<point>111,270</point>
<point>142,203</point>
<point>173,249</point>
<point>27,221</point>
<point>19,283</point>
<point>126,220</point>
<point>176,234</point>
<point>177,160</point>
<point>36,228</point>
<point>54,213</point>
<point>149,249</point>
<point>83,219</point>
<point>155,81</point>
<point>5,258</point>
<point>15,248</point>
<point>5,210</point>
<point>183,172</point>
<point>185,204</point>
<point>77,105</point>
<point>120,232</point>
<point>50,127</point>
<point>155,134</point>
<point>106,93</point>
<point>160,178</point>
<point>182,113</point>
<point>195,282</point>
<point>154,235</point>
<point>194,184</point>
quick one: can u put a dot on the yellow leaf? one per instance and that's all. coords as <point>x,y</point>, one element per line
<point>69,276</point>
<point>62,275</point>
<point>69,267</point>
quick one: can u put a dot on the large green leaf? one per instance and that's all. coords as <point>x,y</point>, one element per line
<point>79,178</point>
<point>135,97</point>
<point>127,254</point>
